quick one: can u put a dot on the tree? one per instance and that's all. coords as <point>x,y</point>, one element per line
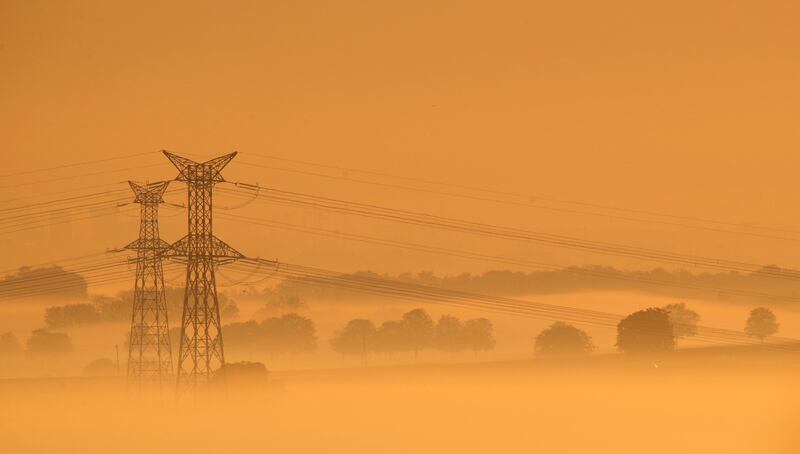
<point>9,344</point>
<point>761,323</point>
<point>646,332</point>
<point>27,280</point>
<point>71,315</point>
<point>230,311</point>
<point>238,333</point>
<point>46,343</point>
<point>478,335</point>
<point>280,304</point>
<point>418,329</point>
<point>449,335</point>
<point>390,338</point>
<point>561,340</point>
<point>356,338</point>
<point>684,320</point>
<point>290,333</point>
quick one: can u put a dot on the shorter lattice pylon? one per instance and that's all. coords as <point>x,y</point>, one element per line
<point>150,352</point>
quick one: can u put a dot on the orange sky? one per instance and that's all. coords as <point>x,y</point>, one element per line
<point>685,107</point>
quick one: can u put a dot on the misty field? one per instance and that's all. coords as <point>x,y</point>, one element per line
<point>738,400</point>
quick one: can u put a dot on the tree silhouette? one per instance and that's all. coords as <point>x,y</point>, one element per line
<point>280,304</point>
<point>561,340</point>
<point>418,329</point>
<point>761,323</point>
<point>449,335</point>
<point>46,343</point>
<point>390,338</point>
<point>478,335</point>
<point>289,333</point>
<point>71,315</point>
<point>646,332</point>
<point>684,320</point>
<point>356,338</point>
<point>236,334</point>
<point>26,279</point>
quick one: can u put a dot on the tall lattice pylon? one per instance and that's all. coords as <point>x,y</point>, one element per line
<point>201,351</point>
<point>150,353</point>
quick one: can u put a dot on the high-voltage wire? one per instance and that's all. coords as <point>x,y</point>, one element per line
<point>489,230</point>
<point>415,292</point>
<point>527,199</point>
<point>76,164</point>
<point>496,259</point>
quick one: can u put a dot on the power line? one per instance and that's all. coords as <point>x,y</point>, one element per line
<point>415,292</point>
<point>60,192</point>
<point>526,197</point>
<point>72,177</point>
<point>496,259</point>
<point>75,164</point>
<point>496,231</point>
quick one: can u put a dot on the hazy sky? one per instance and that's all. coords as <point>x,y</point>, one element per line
<point>681,107</point>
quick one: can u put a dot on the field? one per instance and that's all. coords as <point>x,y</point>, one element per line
<point>722,399</point>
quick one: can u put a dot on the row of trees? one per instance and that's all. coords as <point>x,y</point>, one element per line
<point>650,331</point>
<point>414,332</point>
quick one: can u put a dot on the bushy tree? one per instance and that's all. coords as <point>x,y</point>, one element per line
<point>761,323</point>
<point>71,285</point>
<point>71,315</point>
<point>684,320</point>
<point>280,304</point>
<point>418,329</point>
<point>478,335</point>
<point>46,343</point>
<point>390,338</point>
<point>561,340</point>
<point>236,334</point>
<point>289,333</point>
<point>449,335</point>
<point>230,311</point>
<point>646,332</point>
<point>356,338</point>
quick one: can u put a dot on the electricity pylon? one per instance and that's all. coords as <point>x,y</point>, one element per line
<point>201,349</point>
<point>150,352</point>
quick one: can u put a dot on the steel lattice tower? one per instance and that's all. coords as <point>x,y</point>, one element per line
<point>150,353</point>
<point>201,347</point>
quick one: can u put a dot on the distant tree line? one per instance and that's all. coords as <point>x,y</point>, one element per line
<point>414,332</point>
<point>566,280</point>
<point>649,332</point>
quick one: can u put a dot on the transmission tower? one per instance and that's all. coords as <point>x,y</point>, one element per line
<point>201,347</point>
<point>150,353</point>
